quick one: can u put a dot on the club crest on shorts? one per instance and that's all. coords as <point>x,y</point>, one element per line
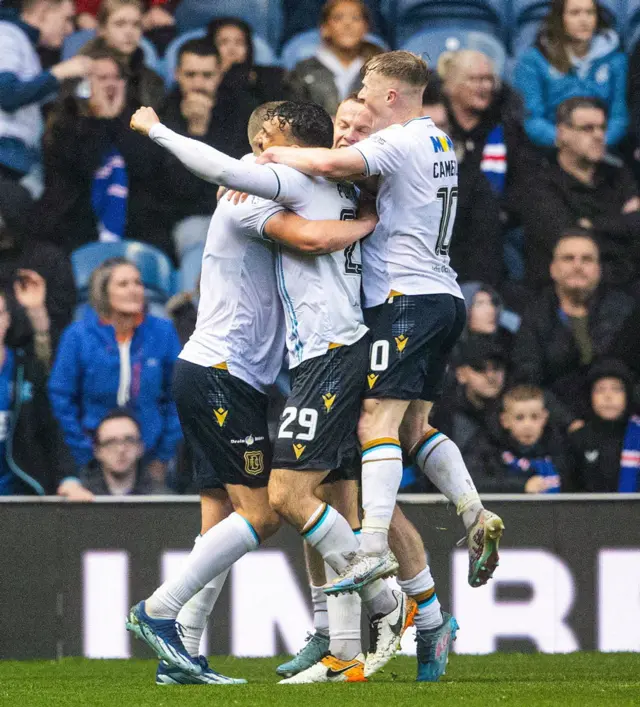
<point>328,399</point>
<point>401,342</point>
<point>298,449</point>
<point>371,380</point>
<point>221,416</point>
<point>254,462</point>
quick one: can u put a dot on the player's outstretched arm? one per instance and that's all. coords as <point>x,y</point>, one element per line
<point>317,237</point>
<point>317,161</point>
<point>205,161</point>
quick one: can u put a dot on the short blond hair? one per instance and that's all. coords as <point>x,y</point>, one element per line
<point>522,394</point>
<point>402,65</point>
<point>257,118</point>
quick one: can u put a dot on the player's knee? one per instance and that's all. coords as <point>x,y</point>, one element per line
<point>366,425</point>
<point>267,524</point>
<point>279,497</point>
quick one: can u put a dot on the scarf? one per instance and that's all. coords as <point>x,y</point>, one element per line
<point>494,160</point>
<point>109,193</point>
<point>630,459</point>
<point>538,466</point>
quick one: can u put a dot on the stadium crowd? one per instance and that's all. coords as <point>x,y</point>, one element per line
<point>543,388</point>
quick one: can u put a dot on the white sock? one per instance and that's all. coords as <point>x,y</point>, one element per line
<point>381,477</point>
<point>344,622</point>
<point>331,535</point>
<point>441,461</point>
<point>195,613</point>
<point>320,613</point>
<point>378,598</point>
<point>422,589</point>
<point>215,552</point>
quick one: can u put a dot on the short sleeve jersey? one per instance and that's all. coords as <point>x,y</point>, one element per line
<point>408,252</point>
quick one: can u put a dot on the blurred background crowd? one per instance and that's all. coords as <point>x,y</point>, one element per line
<point>102,232</point>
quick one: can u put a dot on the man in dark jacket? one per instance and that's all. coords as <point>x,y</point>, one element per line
<point>570,324</point>
<point>582,189</point>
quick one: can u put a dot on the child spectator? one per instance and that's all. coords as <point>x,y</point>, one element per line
<point>334,72</point>
<point>120,30</point>
<point>575,54</point>
<point>117,356</point>
<point>606,451</point>
<point>522,453</point>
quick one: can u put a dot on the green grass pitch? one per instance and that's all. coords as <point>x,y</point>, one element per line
<point>499,679</point>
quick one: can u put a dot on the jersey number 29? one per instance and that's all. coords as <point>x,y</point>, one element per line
<point>449,198</point>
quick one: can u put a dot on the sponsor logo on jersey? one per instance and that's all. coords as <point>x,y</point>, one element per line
<point>401,342</point>
<point>298,449</point>
<point>441,143</point>
<point>329,399</point>
<point>371,380</point>
<point>248,440</point>
<point>254,463</point>
<point>221,416</point>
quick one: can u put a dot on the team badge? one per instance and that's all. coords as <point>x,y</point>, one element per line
<point>221,416</point>
<point>329,399</point>
<point>371,380</point>
<point>401,342</point>
<point>254,463</point>
<point>298,449</point>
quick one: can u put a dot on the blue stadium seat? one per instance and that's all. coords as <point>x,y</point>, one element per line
<point>410,16</point>
<point>526,16</point>
<point>264,16</point>
<point>158,275</point>
<point>74,43</point>
<point>432,43</point>
<point>304,45</point>
<point>263,54</point>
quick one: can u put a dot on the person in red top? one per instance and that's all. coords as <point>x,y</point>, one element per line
<point>157,14</point>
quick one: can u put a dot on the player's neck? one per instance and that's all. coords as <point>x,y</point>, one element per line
<point>582,170</point>
<point>406,112</point>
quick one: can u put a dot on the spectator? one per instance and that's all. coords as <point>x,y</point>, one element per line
<point>583,189</point>
<point>23,84</point>
<point>40,277</point>
<point>248,85</point>
<point>156,15</point>
<point>116,468</point>
<point>102,180</point>
<point>576,53</point>
<point>33,459</point>
<point>117,356</point>
<point>120,31</point>
<point>523,453</point>
<point>480,376</point>
<point>334,72</point>
<point>570,324</point>
<point>606,451</point>
<point>487,317</point>
<point>433,105</point>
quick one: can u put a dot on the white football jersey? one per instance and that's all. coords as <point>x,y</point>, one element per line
<point>320,293</point>
<point>240,321</point>
<point>408,253</point>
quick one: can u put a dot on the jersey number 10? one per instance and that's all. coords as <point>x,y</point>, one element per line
<point>449,198</point>
<point>351,265</point>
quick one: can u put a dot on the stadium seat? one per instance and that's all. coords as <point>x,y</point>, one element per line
<point>304,45</point>
<point>74,43</point>
<point>264,16</point>
<point>632,24</point>
<point>158,275</point>
<point>263,54</point>
<point>432,43</point>
<point>410,16</point>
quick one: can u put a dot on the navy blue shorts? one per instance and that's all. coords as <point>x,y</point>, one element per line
<point>413,336</point>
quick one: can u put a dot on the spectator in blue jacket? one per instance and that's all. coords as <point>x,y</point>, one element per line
<point>117,356</point>
<point>576,54</point>
<point>23,83</point>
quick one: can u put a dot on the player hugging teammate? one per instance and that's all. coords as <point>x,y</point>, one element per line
<point>292,251</point>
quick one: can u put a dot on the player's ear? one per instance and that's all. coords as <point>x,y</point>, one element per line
<point>392,96</point>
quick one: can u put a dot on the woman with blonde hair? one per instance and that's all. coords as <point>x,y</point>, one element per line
<point>117,356</point>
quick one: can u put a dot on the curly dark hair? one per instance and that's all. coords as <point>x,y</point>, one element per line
<point>310,124</point>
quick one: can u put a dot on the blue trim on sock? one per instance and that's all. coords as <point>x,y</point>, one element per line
<point>357,532</point>
<point>428,441</point>
<point>425,604</point>
<point>382,446</point>
<point>318,523</point>
<point>256,537</point>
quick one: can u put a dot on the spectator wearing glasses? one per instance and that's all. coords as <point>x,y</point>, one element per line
<point>582,188</point>
<point>576,53</point>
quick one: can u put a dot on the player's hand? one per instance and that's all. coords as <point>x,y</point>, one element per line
<point>75,68</point>
<point>367,211</point>
<point>73,490</point>
<point>535,484</point>
<point>269,155</point>
<point>237,197</point>
<point>143,120</point>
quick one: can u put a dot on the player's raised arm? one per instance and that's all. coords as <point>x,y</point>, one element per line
<point>316,161</point>
<point>205,161</point>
